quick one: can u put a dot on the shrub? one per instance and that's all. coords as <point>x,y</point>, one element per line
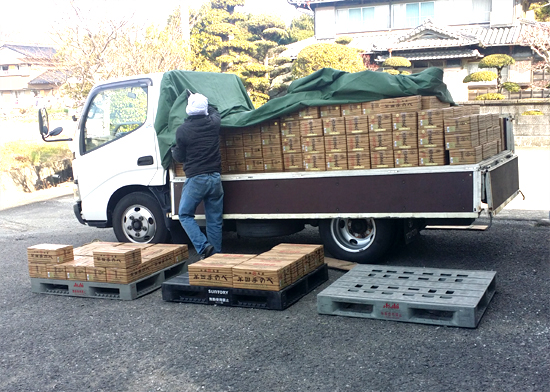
<point>511,87</point>
<point>391,71</point>
<point>343,40</point>
<point>396,62</point>
<point>490,97</point>
<point>480,76</point>
<point>315,57</point>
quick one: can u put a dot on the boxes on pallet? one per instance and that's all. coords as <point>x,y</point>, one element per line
<point>273,164</point>
<point>356,124</point>
<point>49,253</point>
<point>233,138</point>
<point>273,152</point>
<point>466,155</point>
<point>252,138</point>
<point>336,161</point>
<point>461,140</point>
<point>254,165</point>
<point>381,141</point>
<point>115,257</point>
<point>405,121</point>
<point>369,108</point>
<point>213,272</point>
<point>405,140</point>
<point>433,103</point>
<point>262,275</point>
<point>313,145</point>
<point>181,252</point>
<point>330,111</point>
<point>291,145</point>
<point>235,166</point>
<point>295,262</point>
<point>124,276</point>
<point>489,149</point>
<point>37,270</point>
<point>432,118</point>
<point>406,158</point>
<point>96,274</point>
<point>272,126</point>
<point>334,126</point>
<point>314,162</point>
<point>56,271</point>
<point>309,128</point>
<point>461,124</point>
<point>271,139</point>
<point>351,109</point>
<point>290,129</point>
<point>76,269</point>
<point>293,162</point>
<point>235,153</point>
<point>381,159</point>
<point>453,112</point>
<point>431,156</point>
<point>314,254</point>
<point>380,122</point>
<point>401,104</point>
<point>253,152</point>
<point>358,160</point>
<point>358,143</point>
<point>335,144</point>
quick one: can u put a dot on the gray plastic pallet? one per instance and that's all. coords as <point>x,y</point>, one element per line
<point>77,288</point>
<point>418,295</point>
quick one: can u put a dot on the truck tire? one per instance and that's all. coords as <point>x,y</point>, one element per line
<point>138,218</point>
<point>357,240</point>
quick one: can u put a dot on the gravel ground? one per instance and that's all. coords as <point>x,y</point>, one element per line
<point>54,343</point>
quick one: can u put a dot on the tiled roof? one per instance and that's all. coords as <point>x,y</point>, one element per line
<point>50,77</point>
<point>436,55</point>
<point>33,52</point>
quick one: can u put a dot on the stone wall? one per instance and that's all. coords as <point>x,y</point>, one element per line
<point>529,131</point>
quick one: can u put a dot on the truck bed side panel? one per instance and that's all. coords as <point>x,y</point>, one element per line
<point>503,183</point>
<point>394,193</point>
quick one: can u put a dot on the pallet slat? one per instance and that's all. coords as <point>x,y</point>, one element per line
<point>420,295</point>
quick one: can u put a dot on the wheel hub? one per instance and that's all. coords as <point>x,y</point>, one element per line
<point>139,224</point>
<point>353,235</point>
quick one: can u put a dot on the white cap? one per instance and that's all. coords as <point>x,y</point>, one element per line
<point>197,105</point>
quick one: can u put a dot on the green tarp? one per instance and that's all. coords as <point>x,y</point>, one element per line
<point>324,87</point>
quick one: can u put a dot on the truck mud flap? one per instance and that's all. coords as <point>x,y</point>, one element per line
<point>501,184</point>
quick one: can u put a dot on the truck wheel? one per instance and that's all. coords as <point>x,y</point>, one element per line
<point>357,240</point>
<point>138,218</point>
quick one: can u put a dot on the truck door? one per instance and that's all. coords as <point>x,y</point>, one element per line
<point>117,145</point>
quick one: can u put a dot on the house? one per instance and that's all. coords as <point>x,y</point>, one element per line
<point>450,34</point>
<point>27,73</point>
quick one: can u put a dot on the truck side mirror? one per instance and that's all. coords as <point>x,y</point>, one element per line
<point>43,123</point>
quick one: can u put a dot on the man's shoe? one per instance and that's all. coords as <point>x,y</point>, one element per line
<point>208,251</point>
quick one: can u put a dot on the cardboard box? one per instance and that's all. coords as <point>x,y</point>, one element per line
<point>431,156</point>
<point>56,271</point>
<point>406,158</point>
<point>334,126</point>
<point>461,140</point>
<point>252,152</point>
<point>308,113</point>
<point>235,166</point>
<point>431,138</point>
<point>401,104</point>
<point>336,161</point>
<point>369,108</point>
<point>335,144</point>
<point>358,143</point>
<point>253,139</point>
<point>313,145</point>
<point>381,141</point>
<point>178,169</point>
<point>293,162</point>
<point>88,249</point>
<point>116,257</point>
<point>291,145</point>
<point>76,269</point>
<point>309,128</point>
<point>380,123</point>
<point>405,121</point>
<point>273,164</point>
<point>433,103</point>
<point>352,109</point>
<point>359,160</point>
<point>461,124</point>
<point>233,139</point>
<point>330,111</point>
<point>262,275</point>
<point>489,149</point>
<point>38,270</point>
<point>466,156</point>
<point>294,116</point>
<point>235,153</point>
<point>315,254</point>
<point>271,139</point>
<point>215,273</point>
<point>96,274</point>
<point>295,262</point>
<point>405,140</point>
<point>254,165</point>
<point>181,251</point>
<point>49,253</point>
<point>271,126</point>
<point>314,162</point>
<point>125,276</point>
<point>381,159</point>
<point>356,125</point>
<point>272,151</point>
<point>432,118</point>
<point>452,112</point>
<point>290,129</point>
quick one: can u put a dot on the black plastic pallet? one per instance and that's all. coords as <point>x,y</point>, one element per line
<point>130,291</point>
<point>178,289</point>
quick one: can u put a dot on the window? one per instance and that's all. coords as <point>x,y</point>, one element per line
<point>350,20</point>
<point>481,11</point>
<point>416,13</point>
<point>114,113</point>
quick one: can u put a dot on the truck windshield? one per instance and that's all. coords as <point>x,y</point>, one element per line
<point>114,113</point>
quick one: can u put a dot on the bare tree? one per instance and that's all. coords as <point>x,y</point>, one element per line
<point>537,36</point>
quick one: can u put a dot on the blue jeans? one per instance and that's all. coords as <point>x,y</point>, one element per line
<point>207,188</point>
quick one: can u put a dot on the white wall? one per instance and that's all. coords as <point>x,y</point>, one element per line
<point>325,22</point>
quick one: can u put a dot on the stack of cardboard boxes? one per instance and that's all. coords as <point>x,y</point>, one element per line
<point>103,261</point>
<point>273,270</point>
<point>397,132</point>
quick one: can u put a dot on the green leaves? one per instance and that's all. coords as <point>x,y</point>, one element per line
<point>317,56</point>
<point>497,61</point>
<point>490,97</point>
<point>396,62</point>
<point>480,76</point>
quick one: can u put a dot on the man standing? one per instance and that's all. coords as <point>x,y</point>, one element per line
<point>198,148</point>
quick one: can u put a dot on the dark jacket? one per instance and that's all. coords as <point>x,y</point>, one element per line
<point>198,144</point>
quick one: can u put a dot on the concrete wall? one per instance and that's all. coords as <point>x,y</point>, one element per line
<point>529,131</point>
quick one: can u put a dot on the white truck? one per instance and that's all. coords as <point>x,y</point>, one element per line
<point>120,182</point>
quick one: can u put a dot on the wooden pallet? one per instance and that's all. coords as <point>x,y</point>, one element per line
<point>418,295</point>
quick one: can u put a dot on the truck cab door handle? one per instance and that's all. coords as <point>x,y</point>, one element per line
<point>145,161</point>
